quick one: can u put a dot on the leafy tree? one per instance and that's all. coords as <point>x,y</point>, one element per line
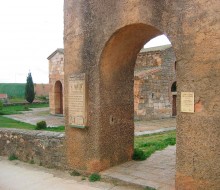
<point>29,89</point>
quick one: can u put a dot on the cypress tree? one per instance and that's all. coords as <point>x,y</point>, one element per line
<point>29,89</point>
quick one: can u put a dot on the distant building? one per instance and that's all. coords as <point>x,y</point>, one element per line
<point>154,77</point>
<point>56,82</point>
<point>4,98</point>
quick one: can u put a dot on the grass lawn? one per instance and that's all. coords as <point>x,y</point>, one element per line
<point>11,123</point>
<point>9,110</point>
<point>22,100</point>
<point>55,129</point>
<point>147,144</point>
<point>16,100</point>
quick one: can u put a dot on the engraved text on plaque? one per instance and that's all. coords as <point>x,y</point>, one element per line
<point>77,100</point>
<point>187,102</point>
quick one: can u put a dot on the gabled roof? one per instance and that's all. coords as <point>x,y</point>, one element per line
<point>60,50</point>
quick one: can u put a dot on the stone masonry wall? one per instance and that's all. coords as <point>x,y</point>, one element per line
<point>56,73</point>
<point>41,89</point>
<point>41,147</point>
<point>154,75</point>
<point>56,65</point>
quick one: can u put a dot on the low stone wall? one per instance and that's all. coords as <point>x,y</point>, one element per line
<point>41,147</point>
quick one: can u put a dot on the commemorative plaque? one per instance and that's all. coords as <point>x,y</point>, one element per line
<point>77,100</point>
<point>187,102</point>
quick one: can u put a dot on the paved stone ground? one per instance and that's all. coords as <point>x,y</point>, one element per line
<point>38,114</point>
<point>16,175</point>
<point>141,127</point>
<point>157,172</point>
<point>154,126</point>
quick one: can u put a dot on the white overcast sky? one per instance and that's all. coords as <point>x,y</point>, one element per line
<point>30,30</point>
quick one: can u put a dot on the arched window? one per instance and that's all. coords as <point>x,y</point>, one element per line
<point>173,87</point>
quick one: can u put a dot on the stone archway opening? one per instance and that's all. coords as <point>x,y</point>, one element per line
<point>117,86</point>
<point>117,98</point>
<point>102,42</point>
<point>58,97</point>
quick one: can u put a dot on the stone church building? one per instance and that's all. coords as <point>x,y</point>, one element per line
<point>154,83</point>
<point>56,82</point>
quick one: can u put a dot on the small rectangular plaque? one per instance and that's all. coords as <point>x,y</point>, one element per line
<point>77,100</point>
<point>187,102</point>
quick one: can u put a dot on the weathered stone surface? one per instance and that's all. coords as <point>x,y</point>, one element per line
<point>56,82</point>
<point>42,147</point>
<point>154,75</point>
<point>41,89</point>
<point>102,39</point>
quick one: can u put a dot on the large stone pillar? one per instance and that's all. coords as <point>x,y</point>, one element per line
<point>198,134</point>
<point>80,51</point>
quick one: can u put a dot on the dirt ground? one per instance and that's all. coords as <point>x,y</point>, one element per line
<point>17,175</point>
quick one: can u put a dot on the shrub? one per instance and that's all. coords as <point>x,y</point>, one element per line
<point>149,188</point>
<point>26,108</point>
<point>170,141</point>
<point>138,154</point>
<point>94,177</point>
<point>83,178</point>
<point>41,125</point>
<point>44,98</point>
<point>74,173</point>
<point>12,157</point>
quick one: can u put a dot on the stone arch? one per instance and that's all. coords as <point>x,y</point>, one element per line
<point>191,25</point>
<point>127,41</point>
<point>116,87</point>
<point>58,97</point>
